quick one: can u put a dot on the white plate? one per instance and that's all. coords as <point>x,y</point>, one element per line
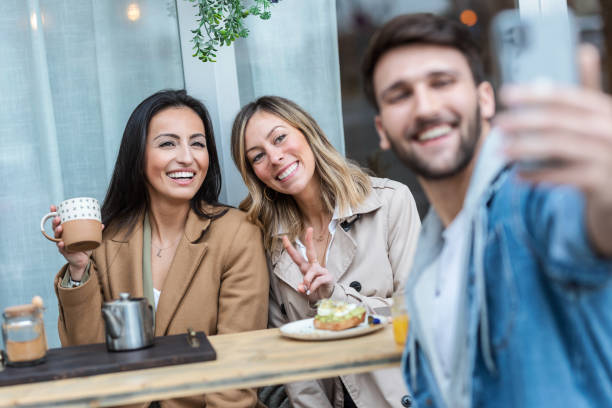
<point>305,330</point>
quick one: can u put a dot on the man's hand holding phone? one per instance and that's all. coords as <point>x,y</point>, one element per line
<point>569,125</point>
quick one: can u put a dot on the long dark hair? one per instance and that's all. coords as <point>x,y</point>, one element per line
<point>127,196</point>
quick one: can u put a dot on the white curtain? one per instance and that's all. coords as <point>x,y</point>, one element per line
<point>295,55</point>
<point>71,73</point>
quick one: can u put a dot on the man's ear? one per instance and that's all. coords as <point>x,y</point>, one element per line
<point>382,133</point>
<point>486,99</point>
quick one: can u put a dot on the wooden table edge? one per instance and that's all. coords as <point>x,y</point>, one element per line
<point>390,358</point>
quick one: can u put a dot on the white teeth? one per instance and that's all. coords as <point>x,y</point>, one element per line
<point>181,174</point>
<point>434,132</point>
<point>287,172</point>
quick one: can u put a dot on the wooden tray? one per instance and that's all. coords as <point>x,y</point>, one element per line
<point>92,359</point>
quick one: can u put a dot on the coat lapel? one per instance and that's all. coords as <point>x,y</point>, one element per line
<point>125,262</point>
<point>344,247</point>
<point>342,252</point>
<point>188,257</point>
<point>341,256</point>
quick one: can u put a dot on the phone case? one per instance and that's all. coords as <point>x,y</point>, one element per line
<point>535,48</point>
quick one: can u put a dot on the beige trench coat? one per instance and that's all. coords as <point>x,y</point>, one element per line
<point>217,283</point>
<point>370,257</point>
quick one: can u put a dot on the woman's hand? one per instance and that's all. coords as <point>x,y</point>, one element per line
<point>77,261</point>
<point>318,282</point>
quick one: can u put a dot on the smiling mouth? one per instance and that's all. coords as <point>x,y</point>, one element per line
<point>181,175</point>
<point>432,133</point>
<point>287,172</point>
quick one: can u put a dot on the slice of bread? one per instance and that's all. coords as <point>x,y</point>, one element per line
<point>340,325</point>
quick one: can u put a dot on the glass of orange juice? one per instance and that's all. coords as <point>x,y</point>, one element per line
<point>399,316</point>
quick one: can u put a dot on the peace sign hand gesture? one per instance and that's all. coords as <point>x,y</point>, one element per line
<point>318,283</point>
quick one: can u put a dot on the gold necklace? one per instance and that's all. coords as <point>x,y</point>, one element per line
<point>322,236</point>
<point>159,249</point>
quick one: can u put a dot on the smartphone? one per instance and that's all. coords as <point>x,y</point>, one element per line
<point>535,49</point>
<point>532,48</point>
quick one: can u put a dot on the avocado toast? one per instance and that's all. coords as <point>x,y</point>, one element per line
<point>337,315</point>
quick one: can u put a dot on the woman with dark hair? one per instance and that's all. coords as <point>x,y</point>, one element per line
<point>200,264</point>
<point>330,230</point>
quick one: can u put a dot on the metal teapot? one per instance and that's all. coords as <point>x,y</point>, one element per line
<point>129,323</point>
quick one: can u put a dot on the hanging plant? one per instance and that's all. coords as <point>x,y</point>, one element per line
<point>220,23</point>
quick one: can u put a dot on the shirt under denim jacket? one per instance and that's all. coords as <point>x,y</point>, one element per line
<point>543,335</point>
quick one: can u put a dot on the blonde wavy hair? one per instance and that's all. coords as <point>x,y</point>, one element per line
<point>343,183</point>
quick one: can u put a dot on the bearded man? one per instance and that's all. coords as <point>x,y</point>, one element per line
<point>510,295</point>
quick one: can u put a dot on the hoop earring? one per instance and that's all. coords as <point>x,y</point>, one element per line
<point>265,194</point>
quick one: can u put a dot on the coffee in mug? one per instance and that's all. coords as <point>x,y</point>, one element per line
<point>81,222</point>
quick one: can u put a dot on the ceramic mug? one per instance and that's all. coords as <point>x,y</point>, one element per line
<point>81,224</point>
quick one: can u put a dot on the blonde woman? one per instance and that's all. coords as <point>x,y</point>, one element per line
<point>330,230</point>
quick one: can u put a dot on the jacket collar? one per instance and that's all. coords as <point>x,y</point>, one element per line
<point>342,252</point>
<point>371,203</point>
<point>188,257</point>
<point>126,247</point>
<point>491,162</point>
<point>195,227</point>
<point>124,265</point>
<point>489,166</point>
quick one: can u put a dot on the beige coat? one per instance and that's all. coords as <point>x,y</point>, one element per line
<point>376,252</point>
<point>217,283</point>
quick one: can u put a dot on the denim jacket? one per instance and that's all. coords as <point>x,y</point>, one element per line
<point>537,306</point>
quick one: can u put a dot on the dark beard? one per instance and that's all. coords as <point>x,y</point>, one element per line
<point>464,156</point>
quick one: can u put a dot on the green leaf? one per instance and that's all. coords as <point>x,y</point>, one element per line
<point>223,24</point>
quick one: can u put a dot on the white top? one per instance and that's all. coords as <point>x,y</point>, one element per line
<point>332,230</point>
<point>447,292</point>
<point>156,295</point>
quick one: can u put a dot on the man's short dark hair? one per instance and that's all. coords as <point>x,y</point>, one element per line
<point>421,28</point>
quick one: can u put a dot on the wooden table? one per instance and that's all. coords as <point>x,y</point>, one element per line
<point>249,359</point>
